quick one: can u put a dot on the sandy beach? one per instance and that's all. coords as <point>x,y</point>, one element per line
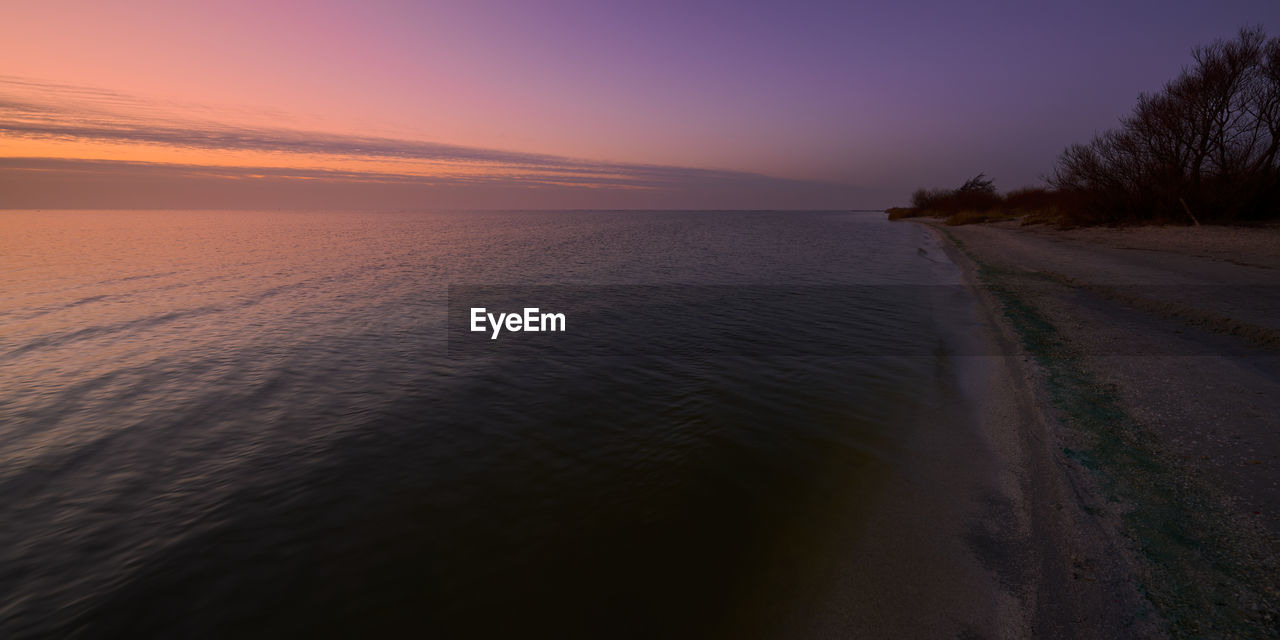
<point>1137,414</point>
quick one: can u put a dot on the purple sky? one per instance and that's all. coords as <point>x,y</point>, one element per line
<point>569,104</point>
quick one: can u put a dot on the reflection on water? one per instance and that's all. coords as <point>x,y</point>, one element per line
<point>246,422</point>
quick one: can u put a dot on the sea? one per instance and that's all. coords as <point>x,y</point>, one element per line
<point>280,423</point>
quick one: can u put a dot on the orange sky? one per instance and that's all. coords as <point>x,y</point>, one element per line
<point>133,142</point>
<point>673,104</point>
<point>386,70</point>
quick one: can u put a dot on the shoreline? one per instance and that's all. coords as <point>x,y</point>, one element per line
<point>1150,471</point>
<point>988,532</point>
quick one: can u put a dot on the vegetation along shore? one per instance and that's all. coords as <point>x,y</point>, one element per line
<point>1204,149</point>
<point>1142,288</point>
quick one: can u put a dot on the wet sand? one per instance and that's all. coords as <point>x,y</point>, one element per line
<point>988,531</point>
<point>1138,416</point>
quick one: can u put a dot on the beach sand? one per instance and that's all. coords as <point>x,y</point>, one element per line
<point>1136,417</point>
<point>988,531</point>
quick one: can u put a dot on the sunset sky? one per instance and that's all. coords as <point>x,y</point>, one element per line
<point>566,104</point>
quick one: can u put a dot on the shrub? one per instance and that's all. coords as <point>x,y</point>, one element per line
<point>898,213</point>
<point>1028,199</point>
<point>976,194</point>
<point>972,217</point>
<point>929,199</point>
<point>978,201</point>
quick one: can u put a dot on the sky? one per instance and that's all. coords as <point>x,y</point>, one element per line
<point>514,105</point>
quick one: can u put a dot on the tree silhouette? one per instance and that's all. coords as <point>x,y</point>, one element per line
<point>978,184</point>
<point>1205,146</point>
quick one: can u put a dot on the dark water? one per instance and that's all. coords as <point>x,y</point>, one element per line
<point>248,423</point>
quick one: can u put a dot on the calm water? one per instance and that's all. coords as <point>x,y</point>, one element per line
<point>222,423</point>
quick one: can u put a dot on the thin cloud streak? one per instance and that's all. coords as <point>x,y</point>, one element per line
<point>242,172</point>
<point>36,183</point>
<point>52,112</point>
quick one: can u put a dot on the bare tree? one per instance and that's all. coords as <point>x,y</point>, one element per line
<point>1208,142</point>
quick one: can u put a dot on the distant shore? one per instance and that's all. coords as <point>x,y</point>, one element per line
<point>1153,354</point>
